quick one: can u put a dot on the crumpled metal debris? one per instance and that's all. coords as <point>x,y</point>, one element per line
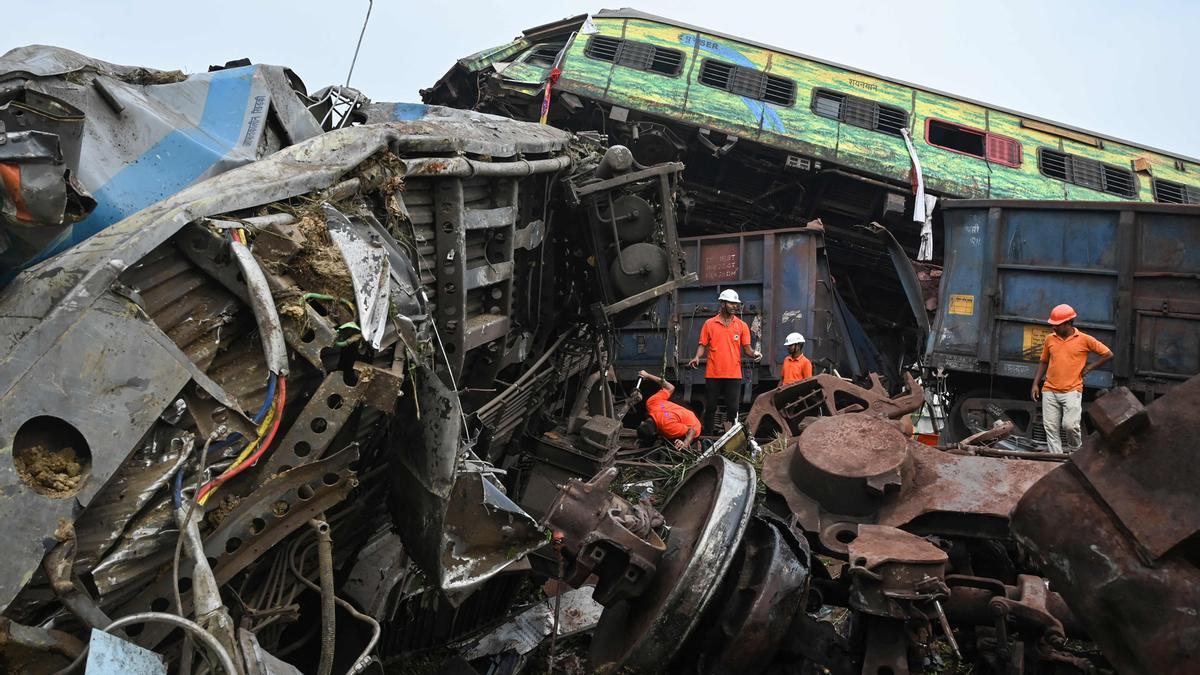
<point>149,134</point>
<point>1126,564</point>
<point>110,655</point>
<point>577,612</point>
<point>315,286</point>
<point>370,273</point>
<point>40,139</point>
<point>432,388</point>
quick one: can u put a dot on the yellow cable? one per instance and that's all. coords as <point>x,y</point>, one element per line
<point>249,449</point>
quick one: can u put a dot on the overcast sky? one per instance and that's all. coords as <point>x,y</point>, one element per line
<point>1121,68</point>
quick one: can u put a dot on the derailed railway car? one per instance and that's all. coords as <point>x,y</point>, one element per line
<point>773,139</point>
<point>340,404</point>
<point>213,405</point>
<point>785,282</point>
<point>829,135</point>
<point>1129,270</point>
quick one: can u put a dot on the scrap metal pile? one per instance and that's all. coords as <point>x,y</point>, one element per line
<point>296,383</point>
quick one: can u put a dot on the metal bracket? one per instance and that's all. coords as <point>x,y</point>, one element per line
<point>649,294</point>
<point>730,141</point>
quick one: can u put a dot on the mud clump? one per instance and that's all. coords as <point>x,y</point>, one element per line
<point>292,310</point>
<point>319,267</point>
<point>54,472</point>
<point>383,171</point>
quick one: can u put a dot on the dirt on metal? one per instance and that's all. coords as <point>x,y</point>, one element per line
<point>222,511</point>
<point>54,472</point>
<point>319,266</point>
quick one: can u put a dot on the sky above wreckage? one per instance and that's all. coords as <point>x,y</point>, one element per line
<point>1118,68</point>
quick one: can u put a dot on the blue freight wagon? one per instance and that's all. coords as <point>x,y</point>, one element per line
<point>1131,271</point>
<point>784,281</point>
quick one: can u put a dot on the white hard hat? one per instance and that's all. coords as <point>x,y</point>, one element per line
<point>793,339</point>
<point>729,295</point>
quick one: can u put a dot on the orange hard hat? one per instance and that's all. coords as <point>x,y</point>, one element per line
<point>1061,314</point>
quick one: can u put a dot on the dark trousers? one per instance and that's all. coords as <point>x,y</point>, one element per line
<point>720,388</point>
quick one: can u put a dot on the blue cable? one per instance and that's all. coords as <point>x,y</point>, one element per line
<point>229,440</point>
<point>266,405</point>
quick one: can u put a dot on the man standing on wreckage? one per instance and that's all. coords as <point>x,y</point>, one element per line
<point>1064,363</point>
<point>726,337</point>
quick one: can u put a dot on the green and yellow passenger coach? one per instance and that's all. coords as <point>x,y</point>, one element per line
<point>623,67</point>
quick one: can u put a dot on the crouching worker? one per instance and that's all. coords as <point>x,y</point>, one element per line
<point>669,420</point>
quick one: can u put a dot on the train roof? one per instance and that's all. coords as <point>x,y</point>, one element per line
<point>630,13</point>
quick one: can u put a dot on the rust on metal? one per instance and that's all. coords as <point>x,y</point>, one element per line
<point>858,468</point>
<point>1152,489</point>
<point>605,535</point>
<point>846,464</point>
<point>788,407</point>
<point>757,603</point>
<point>1118,415</point>
<point>892,571</point>
<point>967,495</point>
<point>1126,564</point>
<point>708,515</point>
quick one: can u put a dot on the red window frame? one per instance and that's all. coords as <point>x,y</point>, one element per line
<point>989,139</point>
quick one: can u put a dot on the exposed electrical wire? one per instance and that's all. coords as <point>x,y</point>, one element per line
<point>187,517</point>
<point>322,296</point>
<point>364,658</point>
<point>267,418</point>
<point>258,447</point>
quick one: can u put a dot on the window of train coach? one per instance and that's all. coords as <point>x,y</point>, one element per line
<point>635,55</point>
<point>1168,192</point>
<point>859,112</point>
<point>1087,173</point>
<point>542,54</point>
<point>974,142</point>
<point>748,82</point>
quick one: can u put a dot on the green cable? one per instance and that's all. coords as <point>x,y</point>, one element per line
<point>322,296</point>
<point>349,325</point>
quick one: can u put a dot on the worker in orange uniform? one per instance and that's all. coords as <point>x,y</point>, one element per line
<point>796,366</point>
<point>1064,363</point>
<point>726,337</point>
<point>667,419</point>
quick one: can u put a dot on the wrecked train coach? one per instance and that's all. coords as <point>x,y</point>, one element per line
<point>307,365</point>
<point>937,559</point>
<point>1125,266</point>
<point>88,143</point>
<point>327,407</point>
<point>775,139</point>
